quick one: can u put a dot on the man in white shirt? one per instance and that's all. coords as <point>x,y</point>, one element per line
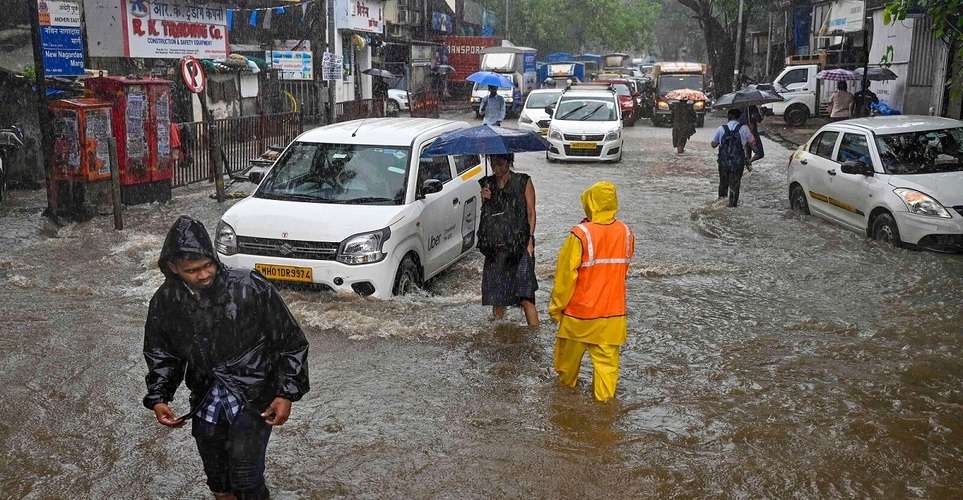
<point>493,107</point>
<point>733,138</point>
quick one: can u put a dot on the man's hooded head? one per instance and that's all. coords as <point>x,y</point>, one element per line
<point>188,254</point>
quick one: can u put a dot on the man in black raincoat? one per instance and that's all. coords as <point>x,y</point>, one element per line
<point>228,334</point>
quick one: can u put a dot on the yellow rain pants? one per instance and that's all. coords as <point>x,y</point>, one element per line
<point>605,365</point>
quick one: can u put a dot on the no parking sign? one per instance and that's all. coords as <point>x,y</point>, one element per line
<point>192,73</point>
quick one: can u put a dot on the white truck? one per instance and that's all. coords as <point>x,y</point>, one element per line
<point>515,63</point>
<point>805,95</point>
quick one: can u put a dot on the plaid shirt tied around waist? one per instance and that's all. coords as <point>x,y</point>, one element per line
<point>218,403</point>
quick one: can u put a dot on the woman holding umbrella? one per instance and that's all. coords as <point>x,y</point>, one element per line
<point>840,103</point>
<point>507,239</point>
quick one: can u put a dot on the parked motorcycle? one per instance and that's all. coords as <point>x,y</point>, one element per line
<point>11,140</point>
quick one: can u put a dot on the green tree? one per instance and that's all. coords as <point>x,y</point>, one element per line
<point>947,25</point>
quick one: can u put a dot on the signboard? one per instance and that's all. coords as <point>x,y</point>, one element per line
<point>360,15</point>
<point>846,16</point>
<point>193,75</point>
<point>61,38</point>
<point>171,29</point>
<point>293,65</point>
<point>332,67</point>
<point>529,62</point>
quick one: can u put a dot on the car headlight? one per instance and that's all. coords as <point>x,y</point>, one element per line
<point>524,119</point>
<point>663,105</point>
<point>509,100</point>
<point>475,100</point>
<point>366,248</point>
<point>699,105</point>
<point>225,239</point>
<point>613,135</point>
<point>921,204</point>
<point>555,134</point>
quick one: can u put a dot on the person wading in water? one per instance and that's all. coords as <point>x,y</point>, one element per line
<point>506,237</point>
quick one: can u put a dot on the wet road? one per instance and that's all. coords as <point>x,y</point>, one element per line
<point>769,355</point>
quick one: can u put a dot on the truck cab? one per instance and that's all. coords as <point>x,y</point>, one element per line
<point>669,76</point>
<point>515,63</point>
<point>804,94</point>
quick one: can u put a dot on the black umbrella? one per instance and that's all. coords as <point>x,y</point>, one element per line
<point>878,74</point>
<point>747,97</point>
<point>380,73</point>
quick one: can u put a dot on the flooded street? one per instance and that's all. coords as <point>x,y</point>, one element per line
<point>769,355</point>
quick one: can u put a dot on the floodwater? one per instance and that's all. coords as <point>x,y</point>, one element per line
<point>769,355</point>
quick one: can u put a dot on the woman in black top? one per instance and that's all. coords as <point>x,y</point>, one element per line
<point>507,239</point>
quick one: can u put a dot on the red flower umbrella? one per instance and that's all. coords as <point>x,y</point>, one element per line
<point>686,94</point>
<point>837,74</point>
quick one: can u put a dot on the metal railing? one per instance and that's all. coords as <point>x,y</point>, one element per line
<point>357,109</point>
<point>240,139</point>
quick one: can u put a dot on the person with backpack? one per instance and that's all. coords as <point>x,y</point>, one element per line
<point>506,237</point>
<point>732,139</point>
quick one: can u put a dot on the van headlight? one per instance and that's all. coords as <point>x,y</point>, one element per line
<point>613,135</point>
<point>225,239</point>
<point>699,105</point>
<point>475,100</point>
<point>365,248</point>
<point>921,204</point>
<point>663,105</point>
<point>555,134</point>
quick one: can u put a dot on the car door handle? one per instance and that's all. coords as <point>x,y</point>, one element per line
<point>831,172</point>
<point>455,201</point>
<point>805,162</point>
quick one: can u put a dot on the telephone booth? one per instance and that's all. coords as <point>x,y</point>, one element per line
<point>81,149</point>
<point>80,163</point>
<point>141,125</point>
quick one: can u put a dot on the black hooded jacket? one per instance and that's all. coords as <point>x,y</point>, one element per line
<point>238,331</point>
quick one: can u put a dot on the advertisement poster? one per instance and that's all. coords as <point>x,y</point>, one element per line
<point>331,66</point>
<point>66,140</point>
<point>171,29</point>
<point>293,65</point>
<point>163,126</point>
<point>136,140</point>
<point>61,37</point>
<point>98,132</point>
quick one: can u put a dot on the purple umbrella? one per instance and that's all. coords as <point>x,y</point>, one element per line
<point>838,74</point>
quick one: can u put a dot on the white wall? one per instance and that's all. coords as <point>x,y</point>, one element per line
<point>345,89</point>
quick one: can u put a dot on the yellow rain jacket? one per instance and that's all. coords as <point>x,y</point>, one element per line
<point>601,204</point>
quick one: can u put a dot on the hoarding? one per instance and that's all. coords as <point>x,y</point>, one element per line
<point>292,65</point>
<point>171,29</point>
<point>360,15</point>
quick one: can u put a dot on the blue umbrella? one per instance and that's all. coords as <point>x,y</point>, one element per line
<point>490,78</point>
<point>486,140</point>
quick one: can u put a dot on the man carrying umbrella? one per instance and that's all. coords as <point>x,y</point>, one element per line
<point>493,107</point>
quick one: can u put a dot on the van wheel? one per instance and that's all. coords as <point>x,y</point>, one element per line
<point>408,278</point>
<point>886,231</point>
<point>796,116</point>
<point>797,199</point>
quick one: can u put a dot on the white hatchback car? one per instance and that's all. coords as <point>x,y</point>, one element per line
<point>897,179</point>
<point>586,125</point>
<point>355,206</point>
<point>533,116</point>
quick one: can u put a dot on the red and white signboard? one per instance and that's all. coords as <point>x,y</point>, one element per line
<point>171,29</point>
<point>193,74</point>
<point>360,15</point>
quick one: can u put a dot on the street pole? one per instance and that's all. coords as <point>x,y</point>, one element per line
<point>332,90</point>
<point>506,21</point>
<point>43,117</point>
<point>769,49</point>
<point>735,81</point>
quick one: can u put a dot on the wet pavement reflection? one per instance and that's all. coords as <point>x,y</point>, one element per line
<point>769,355</point>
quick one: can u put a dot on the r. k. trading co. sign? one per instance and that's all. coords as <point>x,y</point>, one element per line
<point>172,29</point>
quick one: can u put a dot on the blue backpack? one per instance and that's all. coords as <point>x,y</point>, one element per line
<point>732,154</point>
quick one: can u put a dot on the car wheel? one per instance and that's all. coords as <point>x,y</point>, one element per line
<point>393,108</point>
<point>886,231</point>
<point>549,158</point>
<point>408,277</point>
<point>796,116</point>
<point>797,199</point>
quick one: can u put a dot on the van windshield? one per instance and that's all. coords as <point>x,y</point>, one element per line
<point>339,173</point>
<point>542,99</point>
<point>586,110</point>
<point>668,83</point>
<point>927,152</point>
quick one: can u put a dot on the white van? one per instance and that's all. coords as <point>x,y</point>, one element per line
<point>355,206</point>
<point>586,125</point>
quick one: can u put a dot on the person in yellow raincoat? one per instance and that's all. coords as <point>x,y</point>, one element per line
<point>588,300</point>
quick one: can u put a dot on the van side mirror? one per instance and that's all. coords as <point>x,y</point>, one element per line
<point>550,110</point>
<point>431,186</point>
<point>856,167</point>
